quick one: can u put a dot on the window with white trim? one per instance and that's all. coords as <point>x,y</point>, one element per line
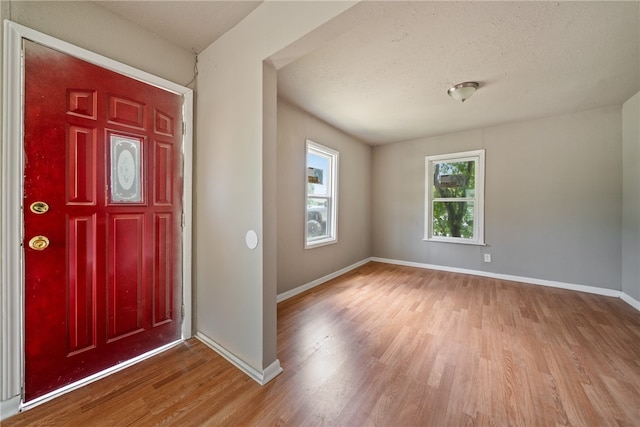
<point>454,198</point>
<point>321,179</point>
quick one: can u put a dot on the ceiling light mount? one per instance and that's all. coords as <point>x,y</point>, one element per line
<point>463,91</point>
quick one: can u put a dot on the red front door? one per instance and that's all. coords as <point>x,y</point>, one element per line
<point>102,218</point>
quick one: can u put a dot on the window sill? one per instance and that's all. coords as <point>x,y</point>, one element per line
<point>319,243</point>
<point>458,241</point>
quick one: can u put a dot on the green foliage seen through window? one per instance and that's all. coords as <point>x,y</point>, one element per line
<point>453,213</point>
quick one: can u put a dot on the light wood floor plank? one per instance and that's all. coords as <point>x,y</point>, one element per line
<point>387,345</point>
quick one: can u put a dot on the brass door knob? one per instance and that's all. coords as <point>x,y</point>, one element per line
<point>38,243</point>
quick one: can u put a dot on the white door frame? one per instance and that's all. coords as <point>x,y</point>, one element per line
<point>12,344</point>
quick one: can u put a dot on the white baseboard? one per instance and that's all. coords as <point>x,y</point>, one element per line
<point>300,289</point>
<point>271,372</point>
<point>9,408</point>
<point>261,377</point>
<point>630,300</point>
<point>529,280</point>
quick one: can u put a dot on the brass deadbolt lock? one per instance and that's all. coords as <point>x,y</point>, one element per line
<point>39,207</point>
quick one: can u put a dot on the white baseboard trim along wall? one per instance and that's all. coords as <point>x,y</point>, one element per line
<point>561,285</point>
<point>300,289</point>
<point>261,378</point>
<point>630,300</point>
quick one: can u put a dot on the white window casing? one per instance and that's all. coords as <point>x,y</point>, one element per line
<point>321,195</point>
<point>444,191</point>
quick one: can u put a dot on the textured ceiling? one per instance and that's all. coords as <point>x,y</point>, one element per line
<point>386,79</point>
<point>384,75</point>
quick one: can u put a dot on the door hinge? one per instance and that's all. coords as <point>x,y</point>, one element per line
<point>184,128</point>
<point>182,313</point>
<point>182,220</point>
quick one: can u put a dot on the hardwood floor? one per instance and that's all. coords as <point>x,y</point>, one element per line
<point>395,346</point>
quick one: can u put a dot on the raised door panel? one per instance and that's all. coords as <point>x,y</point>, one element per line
<point>126,274</point>
<point>127,112</point>
<point>82,167</point>
<point>162,269</point>
<point>163,171</point>
<point>82,293</point>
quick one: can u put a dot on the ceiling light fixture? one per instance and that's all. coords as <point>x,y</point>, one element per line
<point>463,91</point>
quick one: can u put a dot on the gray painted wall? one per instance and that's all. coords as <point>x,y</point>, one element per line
<point>553,199</point>
<point>631,197</point>
<point>269,205</point>
<point>236,302</point>
<point>296,265</point>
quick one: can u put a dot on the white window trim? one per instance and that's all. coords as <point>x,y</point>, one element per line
<point>478,224</point>
<point>333,191</point>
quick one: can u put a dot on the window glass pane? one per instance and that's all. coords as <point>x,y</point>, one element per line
<point>453,219</point>
<point>126,169</point>
<point>455,197</point>
<point>321,184</point>
<point>318,174</point>
<point>318,220</point>
<point>454,179</point>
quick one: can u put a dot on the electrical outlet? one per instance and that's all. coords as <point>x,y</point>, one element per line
<point>487,257</point>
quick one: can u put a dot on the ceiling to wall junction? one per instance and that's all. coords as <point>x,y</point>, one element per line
<point>192,25</point>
